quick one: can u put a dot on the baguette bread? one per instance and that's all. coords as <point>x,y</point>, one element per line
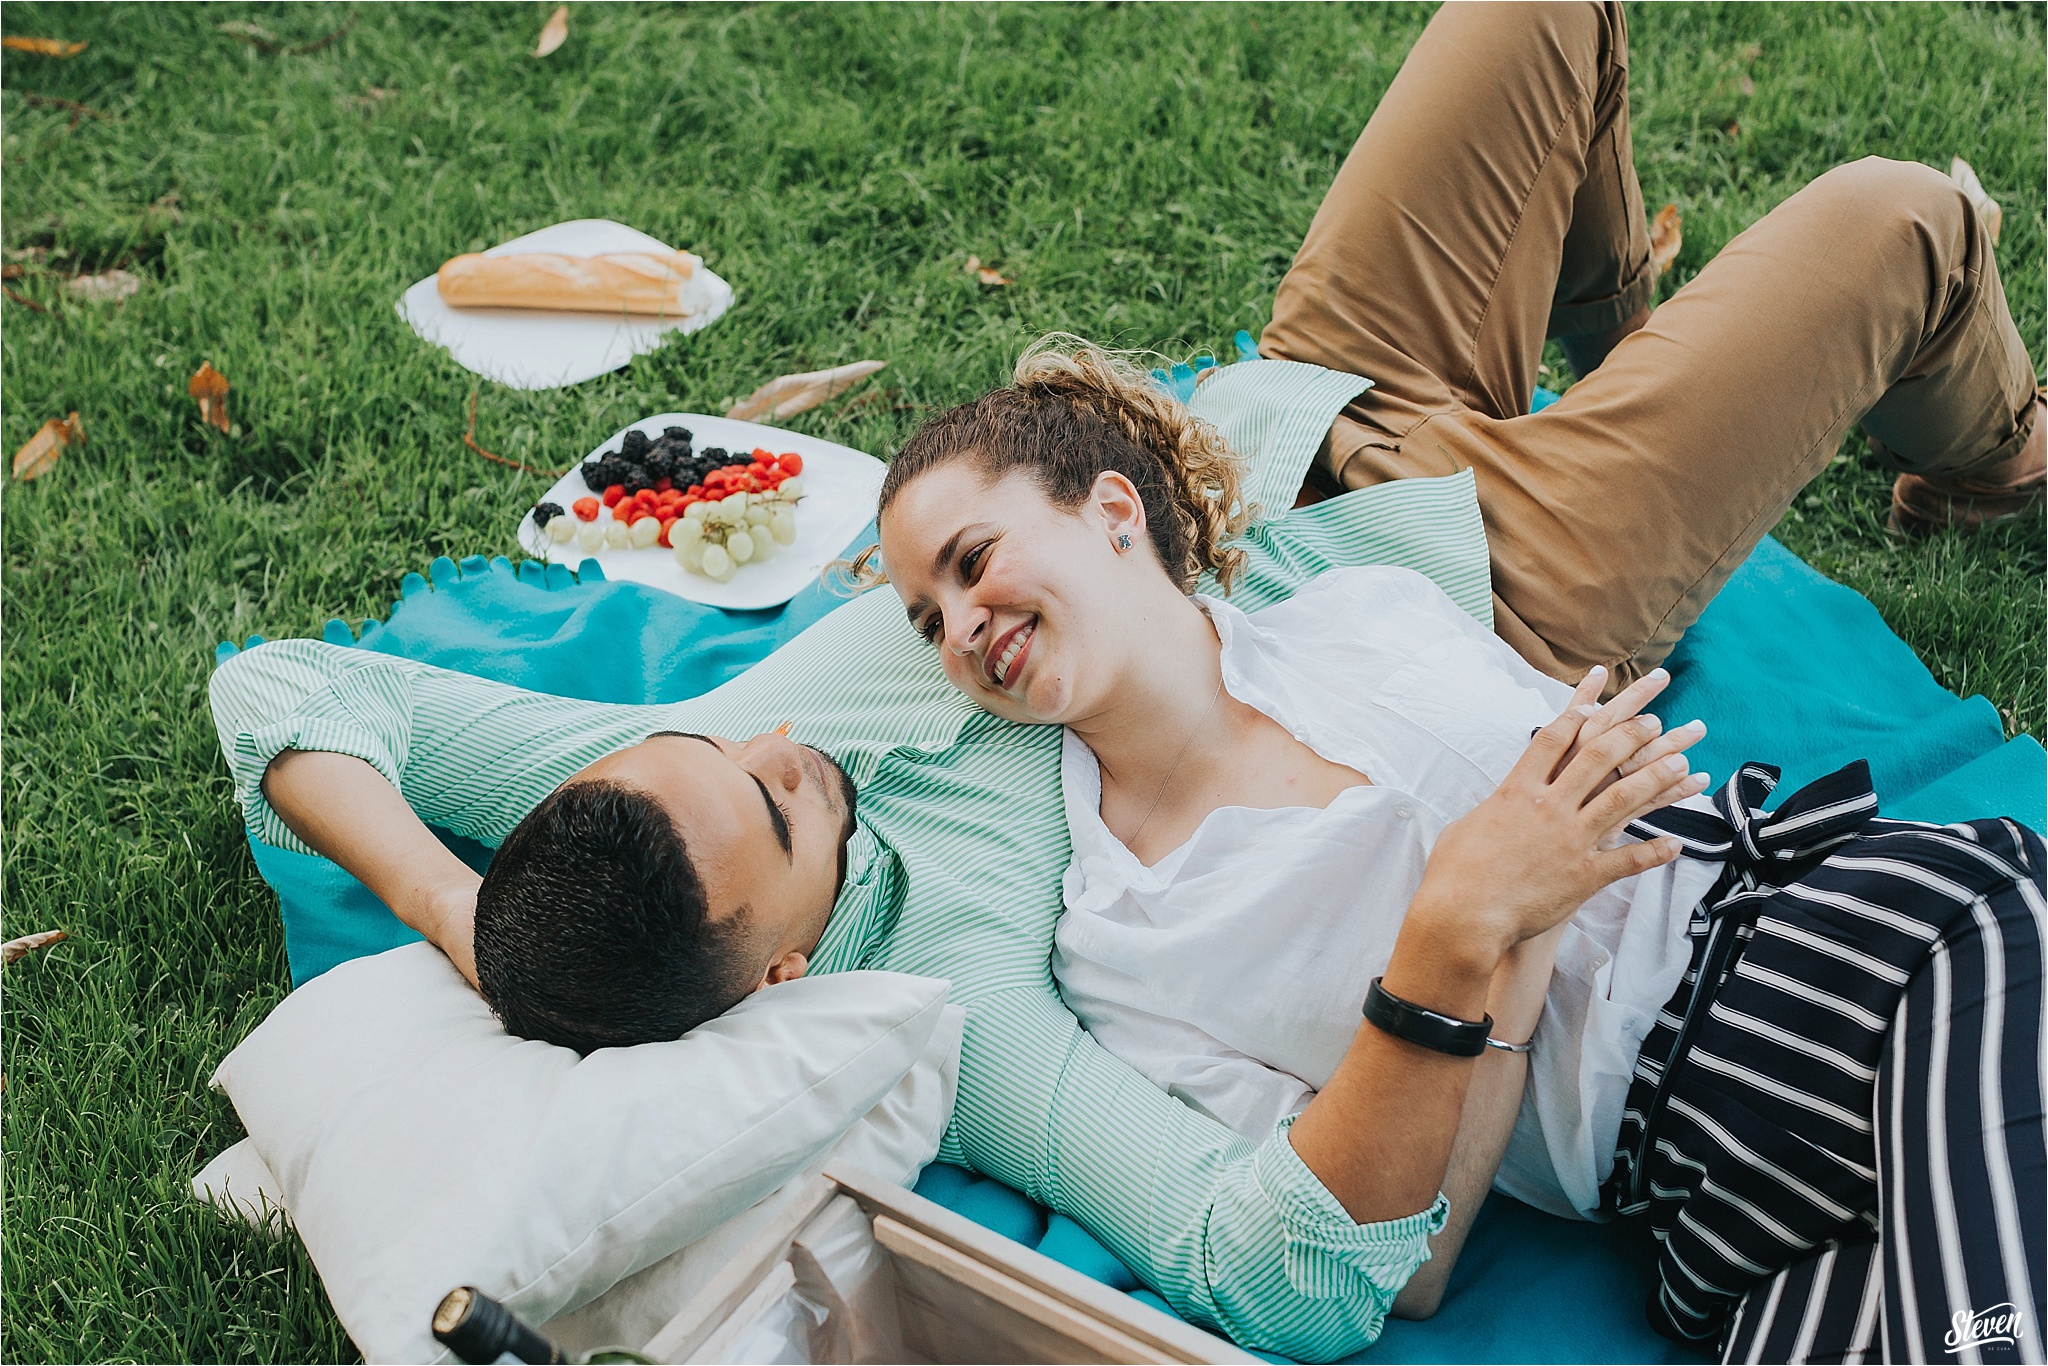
<point>619,281</point>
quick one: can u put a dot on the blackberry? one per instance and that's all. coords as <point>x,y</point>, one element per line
<point>600,473</point>
<point>640,463</point>
<point>543,513</point>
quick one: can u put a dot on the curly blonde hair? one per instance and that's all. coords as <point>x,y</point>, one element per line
<point>1075,411</point>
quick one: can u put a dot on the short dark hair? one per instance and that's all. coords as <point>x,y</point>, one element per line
<point>592,929</point>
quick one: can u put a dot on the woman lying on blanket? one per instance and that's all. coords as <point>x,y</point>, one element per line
<point>1808,1045</point>
<point>1762,1030</point>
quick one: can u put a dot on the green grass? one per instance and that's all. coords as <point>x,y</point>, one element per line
<point>1143,172</point>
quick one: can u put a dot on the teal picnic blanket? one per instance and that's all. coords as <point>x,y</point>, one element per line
<point>1785,666</point>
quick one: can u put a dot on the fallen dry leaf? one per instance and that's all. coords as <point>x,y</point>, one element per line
<point>43,47</point>
<point>554,32</point>
<point>39,454</point>
<point>1665,239</point>
<point>210,387</point>
<point>787,395</point>
<point>108,287</point>
<point>29,943</point>
<point>986,275</point>
<point>1973,190</point>
<point>1748,86</point>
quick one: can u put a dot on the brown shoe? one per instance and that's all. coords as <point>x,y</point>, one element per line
<point>1923,503</point>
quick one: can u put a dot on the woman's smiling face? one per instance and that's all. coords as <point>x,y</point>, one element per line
<point>1023,600</point>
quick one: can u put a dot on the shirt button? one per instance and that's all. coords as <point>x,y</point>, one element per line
<point>1405,811</point>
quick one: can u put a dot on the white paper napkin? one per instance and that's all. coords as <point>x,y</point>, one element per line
<point>526,348</point>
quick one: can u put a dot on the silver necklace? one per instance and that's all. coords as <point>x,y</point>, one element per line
<point>1163,782</point>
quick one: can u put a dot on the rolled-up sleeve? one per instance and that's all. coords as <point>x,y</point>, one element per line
<point>305,694</point>
<point>470,755</point>
<point>1329,1255</point>
<point>1237,1236</point>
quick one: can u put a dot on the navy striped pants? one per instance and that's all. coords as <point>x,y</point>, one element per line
<point>1836,1126</point>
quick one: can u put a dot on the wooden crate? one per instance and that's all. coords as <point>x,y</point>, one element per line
<point>941,1289</point>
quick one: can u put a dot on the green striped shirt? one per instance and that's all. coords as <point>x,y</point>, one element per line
<point>955,872</point>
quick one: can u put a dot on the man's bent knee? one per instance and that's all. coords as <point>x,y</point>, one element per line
<point>1879,193</point>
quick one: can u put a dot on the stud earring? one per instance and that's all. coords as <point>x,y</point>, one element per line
<point>1123,543</point>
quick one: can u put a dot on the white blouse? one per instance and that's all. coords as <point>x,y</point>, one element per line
<point>1231,972</point>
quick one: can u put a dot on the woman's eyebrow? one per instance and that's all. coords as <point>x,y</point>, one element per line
<point>945,555</point>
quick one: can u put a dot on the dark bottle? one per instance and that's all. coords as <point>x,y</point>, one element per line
<point>477,1328</point>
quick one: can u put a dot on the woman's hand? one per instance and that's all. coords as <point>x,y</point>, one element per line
<point>1380,1134</point>
<point>1627,704</point>
<point>1531,854</point>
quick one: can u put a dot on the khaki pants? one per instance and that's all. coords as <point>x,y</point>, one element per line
<point>1491,202</point>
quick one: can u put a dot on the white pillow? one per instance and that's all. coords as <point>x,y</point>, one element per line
<point>418,1146</point>
<point>894,1141</point>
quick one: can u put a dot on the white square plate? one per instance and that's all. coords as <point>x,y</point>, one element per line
<point>841,486</point>
<point>532,348</point>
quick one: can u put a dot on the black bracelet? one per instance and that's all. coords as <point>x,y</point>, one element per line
<point>1426,1028</point>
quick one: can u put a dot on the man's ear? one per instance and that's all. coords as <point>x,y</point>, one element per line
<point>787,968</point>
<point>1116,501</point>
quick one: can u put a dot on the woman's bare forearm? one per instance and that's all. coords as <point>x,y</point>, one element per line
<point>1379,1135</point>
<point>347,811</point>
<point>1492,1102</point>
